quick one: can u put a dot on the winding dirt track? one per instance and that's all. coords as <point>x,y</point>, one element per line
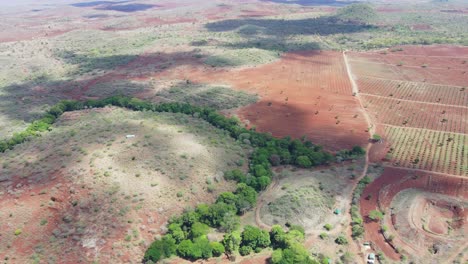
<point>261,199</point>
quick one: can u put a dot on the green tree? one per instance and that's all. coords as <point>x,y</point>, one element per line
<point>277,256</point>
<point>232,241</point>
<point>176,231</point>
<point>245,250</point>
<point>218,248</point>
<point>230,222</point>
<point>303,161</point>
<point>204,246</point>
<point>199,229</point>
<point>160,249</point>
<point>277,237</point>
<point>255,237</point>
<point>190,250</point>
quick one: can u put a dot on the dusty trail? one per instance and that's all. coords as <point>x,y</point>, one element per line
<point>371,130</point>
<point>261,199</point>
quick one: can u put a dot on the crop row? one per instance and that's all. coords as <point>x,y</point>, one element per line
<point>442,76</point>
<point>414,61</point>
<point>326,72</point>
<point>428,150</point>
<point>397,112</point>
<point>423,92</point>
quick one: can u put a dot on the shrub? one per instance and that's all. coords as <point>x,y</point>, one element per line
<point>160,249</point>
<point>198,229</point>
<point>18,232</point>
<point>188,250</point>
<point>255,237</point>
<point>328,227</point>
<point>303,161</point>
<point>232,241</point>
<point>375,215</point>
<point>245,250</point>
<point>341,240</point>
<point>218,248</point>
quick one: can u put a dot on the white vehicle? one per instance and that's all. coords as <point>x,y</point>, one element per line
<point>370,258</point>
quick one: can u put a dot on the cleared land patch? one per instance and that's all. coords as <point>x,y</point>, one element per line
<point>420,92</point>
<point>308,198</point>
<point>396,112</point>
<point>416,217</point>
<point>304,93</point>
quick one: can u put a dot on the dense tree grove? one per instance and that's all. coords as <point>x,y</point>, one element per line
<point>187,233</point>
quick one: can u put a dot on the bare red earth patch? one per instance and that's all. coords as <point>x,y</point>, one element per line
<point>380,193</point>
<point>304,93</point>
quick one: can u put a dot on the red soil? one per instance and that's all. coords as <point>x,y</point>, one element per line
<point>304,93</point>
<point>388,110</point>
<point>433,50</point>
<point>421,92</point>
<point>394,180</point>
<point>441,64</point>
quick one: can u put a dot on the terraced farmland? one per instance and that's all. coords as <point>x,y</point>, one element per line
<point>428,150</point>
<point>421,92</point>
<point>418,100</point>
<point>391,111</point>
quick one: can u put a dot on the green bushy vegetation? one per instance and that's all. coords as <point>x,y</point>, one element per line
<point>241,57</point>
<point>216,97</point>
<point>357,223</point>
<point>362,13</point>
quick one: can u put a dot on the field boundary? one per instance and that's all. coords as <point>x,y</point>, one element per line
<point>413,101</point>
<point>386,79</point>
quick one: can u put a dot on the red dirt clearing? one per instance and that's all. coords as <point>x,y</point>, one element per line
<point>441,64</point>
<point>422,92</point>
<point>393,180</point>
<point>388,110</point>
<point>304,93</point>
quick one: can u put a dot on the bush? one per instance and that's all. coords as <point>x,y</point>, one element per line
<point>341,240</point>
<point>232,242</point>
<point>160,249</point>
<point>255,237</point>
<point>303,161</point>
<point>198,229</point>
<point>328,227</point>
<point>187,250</point>
<point>218,248</point>
<point>245,250</point>
<point>375,215</point>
